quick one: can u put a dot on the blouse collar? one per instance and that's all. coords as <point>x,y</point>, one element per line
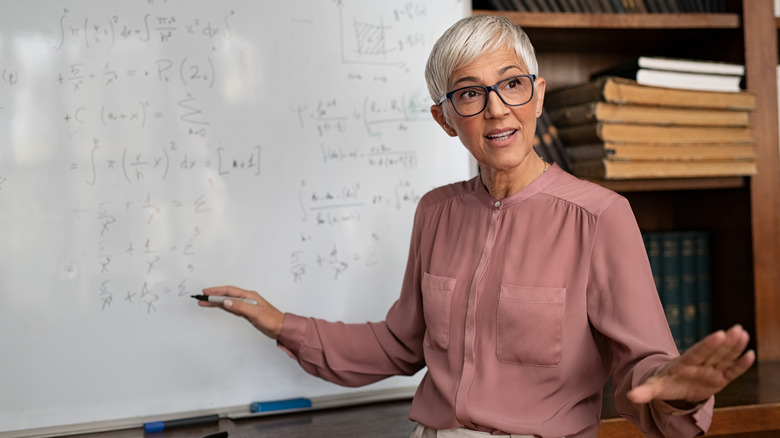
<point>536,186</point>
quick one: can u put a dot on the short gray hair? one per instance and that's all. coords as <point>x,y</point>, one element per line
<point>468,39</point>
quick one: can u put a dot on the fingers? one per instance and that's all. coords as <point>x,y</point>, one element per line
<point>235,306</point>
<point>230,291</point>
<point>227,291</point>
<point>719,350</point>
<point>702,351</point>
<point>701,371</point>
<point>732,344</point>
<point>741,365</point>
<point>265,317</point>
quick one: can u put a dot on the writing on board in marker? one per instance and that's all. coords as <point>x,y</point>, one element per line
<point>280,405</point>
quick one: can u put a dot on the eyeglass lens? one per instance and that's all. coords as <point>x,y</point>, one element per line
<point>469,101</point>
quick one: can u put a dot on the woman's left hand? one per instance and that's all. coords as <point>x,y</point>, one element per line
<point>702,371</point>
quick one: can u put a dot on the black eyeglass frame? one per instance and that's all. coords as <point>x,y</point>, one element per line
<point>488,89</point>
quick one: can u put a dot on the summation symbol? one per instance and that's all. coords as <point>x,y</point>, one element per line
<point>193,113</point>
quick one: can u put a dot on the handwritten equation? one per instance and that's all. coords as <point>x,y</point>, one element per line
<point>151,27</point>
<point>135,259</point>
<point>114,162</point>
<point>186,70</point>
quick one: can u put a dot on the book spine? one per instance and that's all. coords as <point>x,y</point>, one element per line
<point>671,290</point>
<point>653,247</point>
<point>703,293</point>
<point>553,140</point>
<point>688,296</point>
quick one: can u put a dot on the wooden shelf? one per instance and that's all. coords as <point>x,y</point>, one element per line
<point>619,21</point>
<point>604,35</point>
<point>671,184</point>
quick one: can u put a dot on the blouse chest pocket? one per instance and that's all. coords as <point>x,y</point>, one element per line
<point>529,325</point>
<point>437,302</point>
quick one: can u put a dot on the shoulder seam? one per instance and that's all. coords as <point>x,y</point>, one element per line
<point>614,198</point>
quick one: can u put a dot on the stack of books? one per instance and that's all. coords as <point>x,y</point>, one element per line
<point>548,144</point>
<point>616,128</point>
<point>681,270</point>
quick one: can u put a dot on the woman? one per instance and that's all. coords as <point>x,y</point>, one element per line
<point>525,287</point>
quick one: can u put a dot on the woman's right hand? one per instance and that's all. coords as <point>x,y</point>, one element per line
<point>265,317</point>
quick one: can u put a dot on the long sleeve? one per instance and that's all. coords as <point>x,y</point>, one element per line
<point>624,307</point>
<point>345,354</point>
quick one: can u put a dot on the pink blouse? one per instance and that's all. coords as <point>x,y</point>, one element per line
<point>520,309</point>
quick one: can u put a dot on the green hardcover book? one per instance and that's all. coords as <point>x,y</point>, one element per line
<point>688,291</point>
<point>653,246</point>
<point>671,281</point>
<point>703,293</point>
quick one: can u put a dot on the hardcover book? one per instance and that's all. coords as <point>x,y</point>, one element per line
<point>626,91</point>
<point>671,291</point>
<point>683,80</point>
<point>592,112</point>
<point>675,64</point>
<point>703,293</point>
<point>688,297</point>
<point>662,152</point>
<point>606,169</point>
<point>634,133</point>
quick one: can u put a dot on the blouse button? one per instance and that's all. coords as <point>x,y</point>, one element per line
<point>497,204</point>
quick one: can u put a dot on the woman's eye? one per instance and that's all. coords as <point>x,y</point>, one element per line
<point>470,93</point>
<point>512,83</point>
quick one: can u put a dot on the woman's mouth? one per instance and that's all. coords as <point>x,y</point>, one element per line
<point>501,137</point>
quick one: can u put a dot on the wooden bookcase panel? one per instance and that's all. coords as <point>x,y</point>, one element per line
<point>761,59</point>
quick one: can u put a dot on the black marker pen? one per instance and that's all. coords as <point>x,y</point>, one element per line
<point>219,299</point>
<point>159,426</point>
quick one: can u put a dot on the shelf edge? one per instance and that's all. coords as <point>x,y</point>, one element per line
<point>618,21</point>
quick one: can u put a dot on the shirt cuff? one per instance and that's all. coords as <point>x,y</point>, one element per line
<point>700,413</point>
<point>667,408</point>
<point>291,337</point>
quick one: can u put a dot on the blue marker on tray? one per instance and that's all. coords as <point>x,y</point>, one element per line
<point>280,405</point>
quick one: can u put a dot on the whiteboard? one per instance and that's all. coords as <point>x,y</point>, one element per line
<point>151,148</point>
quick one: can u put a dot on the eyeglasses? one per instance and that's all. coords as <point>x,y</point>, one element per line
<point>472,100</point>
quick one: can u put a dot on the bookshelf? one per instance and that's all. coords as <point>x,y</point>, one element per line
<point>743,213</point>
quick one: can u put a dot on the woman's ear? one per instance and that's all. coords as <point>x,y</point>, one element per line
<point>539,88</point>
<point>438,114</point>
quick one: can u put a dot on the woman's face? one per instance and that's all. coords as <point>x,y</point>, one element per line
<point>501,137</point>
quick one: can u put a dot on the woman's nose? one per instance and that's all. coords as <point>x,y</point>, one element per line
<point>495,106</point>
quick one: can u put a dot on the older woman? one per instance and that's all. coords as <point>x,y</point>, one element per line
<point>525,287</point>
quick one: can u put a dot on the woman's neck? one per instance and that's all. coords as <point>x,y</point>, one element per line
<point>501,184</point>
